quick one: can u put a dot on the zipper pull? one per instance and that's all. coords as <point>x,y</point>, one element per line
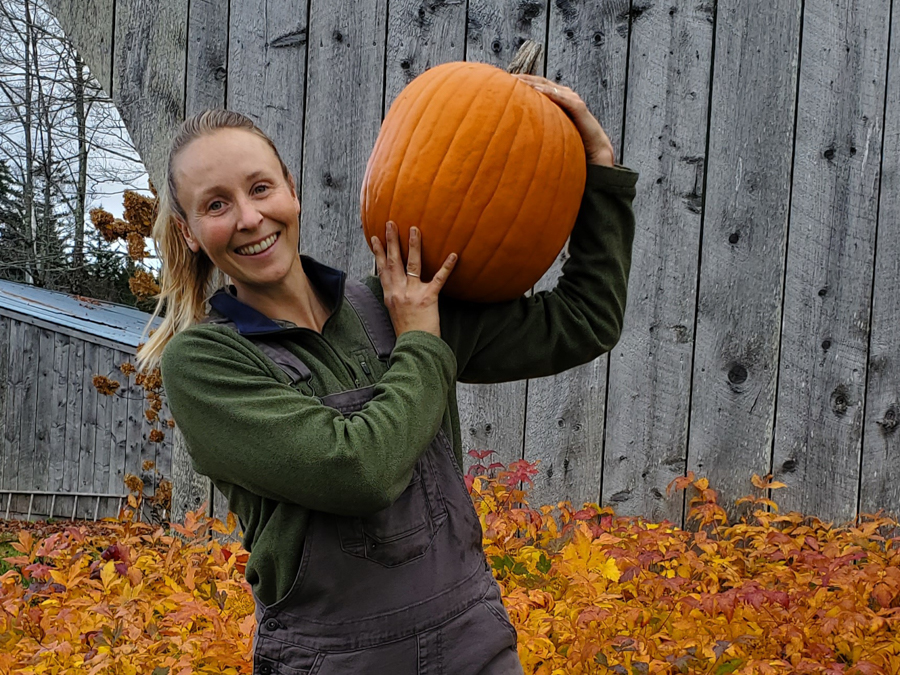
<point>365,367</point>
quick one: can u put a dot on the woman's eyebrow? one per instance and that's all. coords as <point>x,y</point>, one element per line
<point>219,189</point>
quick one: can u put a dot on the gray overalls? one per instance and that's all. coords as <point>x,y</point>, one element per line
<point>404,591</point>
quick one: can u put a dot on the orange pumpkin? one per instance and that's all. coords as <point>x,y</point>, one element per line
<point>486,167</point>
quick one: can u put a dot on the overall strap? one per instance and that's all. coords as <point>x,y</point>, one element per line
<point>373,315</point>
<point>290,363</point>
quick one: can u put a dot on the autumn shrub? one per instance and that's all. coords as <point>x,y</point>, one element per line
<point>589,592</point>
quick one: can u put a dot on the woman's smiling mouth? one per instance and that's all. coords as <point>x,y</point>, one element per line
<point>254,249</point>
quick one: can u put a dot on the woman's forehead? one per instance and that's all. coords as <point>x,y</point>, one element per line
<point>225,154</point>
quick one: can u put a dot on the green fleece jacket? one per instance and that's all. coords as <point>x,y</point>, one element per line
<point>276,452</point>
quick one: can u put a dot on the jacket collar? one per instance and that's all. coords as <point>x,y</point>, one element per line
<point>328,281</point>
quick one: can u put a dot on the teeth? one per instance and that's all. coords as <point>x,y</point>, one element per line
<point>258,248</point>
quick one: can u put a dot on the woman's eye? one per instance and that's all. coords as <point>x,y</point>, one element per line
<point>215,206</point>
<point>259,189</point>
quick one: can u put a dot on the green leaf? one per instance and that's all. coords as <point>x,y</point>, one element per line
<point>729,666</point>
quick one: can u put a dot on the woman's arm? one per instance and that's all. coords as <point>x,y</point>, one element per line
<point>244,425</point>
<point>577,321</point>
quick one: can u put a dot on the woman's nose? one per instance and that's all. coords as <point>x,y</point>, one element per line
<point>248,215</point>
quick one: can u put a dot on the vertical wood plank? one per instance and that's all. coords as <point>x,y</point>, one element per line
<point>880,473</point>
<point>44,409</point>
<point>345,97</point>
<point>741,272</point>
<point>5,389</point>
<point>267,54</point>
<point>89,26</point>
<point>148,74</point>
<point>134,436</point>
<point>118,429</point>
<point>493,417</point>
<point>27,441</point>
<point>56,465</point>
<point>421,35</point>
<point>13,414</point>
<point>88,445</point>
<point>77,378</point>
<point>650,368</point>
<point>587,50</point>
<point>207,55</point>
<point>189,489</point>
<point>830,257</point>
<point>103,438</point>
<point>497,28</point>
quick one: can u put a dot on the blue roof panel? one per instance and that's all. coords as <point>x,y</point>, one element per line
<point>108,320</point>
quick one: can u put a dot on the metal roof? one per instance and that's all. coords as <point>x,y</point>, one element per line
<point>105,320</point>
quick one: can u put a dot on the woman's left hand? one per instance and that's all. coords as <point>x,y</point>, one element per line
<point>597,145</point>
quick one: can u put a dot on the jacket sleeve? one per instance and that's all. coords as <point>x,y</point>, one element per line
<point>580,319</point>
<point>242,424</point>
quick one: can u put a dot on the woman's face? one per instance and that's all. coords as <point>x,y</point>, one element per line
<point>241,211</point>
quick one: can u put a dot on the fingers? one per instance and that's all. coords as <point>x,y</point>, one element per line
<point>440,278</point>
<point>414,260</point>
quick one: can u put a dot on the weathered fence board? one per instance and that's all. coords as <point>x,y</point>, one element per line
<point>43,403</point>
<point>828,281</point>
<point>103,439</point>
<point>28,410</point>
<point>650,368</point>
<point>880,471</point>
<point>745,226</point>
<point>268,40</point>
<point>13,414</point>
<point>5,392</point>
<point>59,406</point>
<point>87,446</point>
<point>207,55</point>
<point>75,384</point>
<point>345,90</point>
<point>586,50</point>
<point>421,35</point>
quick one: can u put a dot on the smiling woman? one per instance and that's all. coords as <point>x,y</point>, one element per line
<point>325,410</point>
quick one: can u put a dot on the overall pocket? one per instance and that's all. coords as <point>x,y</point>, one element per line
<point>403,531</point>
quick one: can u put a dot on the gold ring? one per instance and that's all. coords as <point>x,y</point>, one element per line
<point>412,274</point>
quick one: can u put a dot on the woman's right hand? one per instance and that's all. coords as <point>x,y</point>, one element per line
<point>411,302</point>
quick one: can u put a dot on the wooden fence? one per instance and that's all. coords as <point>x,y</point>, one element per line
<point>763,325</point>
<point>65,449</point>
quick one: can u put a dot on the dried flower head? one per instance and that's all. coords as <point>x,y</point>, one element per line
<point>127,368</point>
<point>148,464</point>
<point>136,246</point>
<point>143,285</point>
<point>151,415</point>
<point>104,385</point>
<point>156,436</point>
<point>133,483</point>
<point>140,211</point>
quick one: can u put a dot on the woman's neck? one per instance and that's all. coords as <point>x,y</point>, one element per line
<point>293,299</point>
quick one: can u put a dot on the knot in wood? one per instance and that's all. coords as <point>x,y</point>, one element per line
<point>888,423</point>
<point>737,374</point>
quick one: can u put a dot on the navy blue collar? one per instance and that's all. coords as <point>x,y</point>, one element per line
<point>329,282</point>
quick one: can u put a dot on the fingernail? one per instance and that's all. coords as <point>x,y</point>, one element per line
<point>453,257</point>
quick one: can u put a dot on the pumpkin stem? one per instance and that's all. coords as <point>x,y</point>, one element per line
<point>527,59</point>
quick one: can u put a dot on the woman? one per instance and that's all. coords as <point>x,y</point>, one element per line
<point>325,409</point>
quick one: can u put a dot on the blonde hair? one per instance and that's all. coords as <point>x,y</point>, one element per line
<point>186,279</point>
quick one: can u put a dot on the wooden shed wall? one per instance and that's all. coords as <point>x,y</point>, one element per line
<point>58,434</point>
<point>763,318</point>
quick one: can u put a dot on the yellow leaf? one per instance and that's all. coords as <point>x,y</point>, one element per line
<point>108,573</point>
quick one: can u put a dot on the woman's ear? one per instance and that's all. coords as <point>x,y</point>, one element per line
<point>294,192</point>
<point>192,243</point>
